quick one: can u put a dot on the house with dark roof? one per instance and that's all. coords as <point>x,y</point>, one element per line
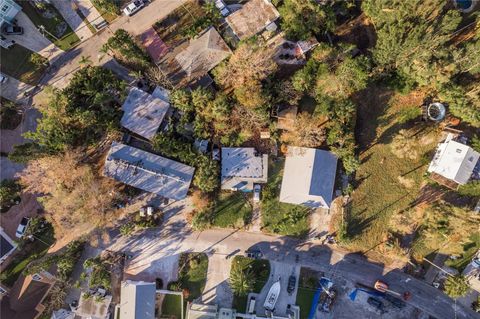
<point>203,54</point>
<point>24,300</point>
<point>7,246</point>
<point>147,171</point>
<point>242,167</point>
<point>254,17</point>
<point>143,113</point>
<point>137,300</point>
<point>308,177</point>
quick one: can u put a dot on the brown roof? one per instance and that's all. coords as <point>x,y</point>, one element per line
<point>25,297</point>
<point>254,16</point>
<point>203,54</point>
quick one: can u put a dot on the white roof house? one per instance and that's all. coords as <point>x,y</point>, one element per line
<point>137,300</point>
<point>8,11</point>
<point>143,113</point>
<point>308,177</point>
<point>454,161</point>
<point>242,167</point>
<point>147,171</point>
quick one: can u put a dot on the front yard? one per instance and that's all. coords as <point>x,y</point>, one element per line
<point>281,218</point>
<point>192,275</point>
<point>58,31</point>
<point>231,209</point>
<point>17,62</point>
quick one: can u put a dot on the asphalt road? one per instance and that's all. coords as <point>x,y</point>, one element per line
<point>151,246</point>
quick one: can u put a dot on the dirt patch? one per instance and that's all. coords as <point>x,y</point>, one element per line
<point>359,31</point>
<point>408,183</point>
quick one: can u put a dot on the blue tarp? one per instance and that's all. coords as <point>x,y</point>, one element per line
<point>375,293</point>
<point>315,300</point>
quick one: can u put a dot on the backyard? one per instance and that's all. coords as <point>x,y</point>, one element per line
<point>172,307</point>
<point>192,275</point>
<point>394,156</point>
<point>57,30</point>
<point>231,210</point>
<point>29,252</point>
<point>260,270</point>
<point>306,290</point>
<point>17,62</point>
<point>281,218</point>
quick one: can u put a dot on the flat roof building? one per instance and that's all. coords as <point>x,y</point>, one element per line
<point>137,300</point>
<point>242,167</point>
<point>454,161</point>
<point>143,113</point>
<point>252,18</point>
<point>308,177</point>
<point>147,171</point>
<point>7,246</point>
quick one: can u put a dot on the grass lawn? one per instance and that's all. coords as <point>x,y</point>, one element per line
<point>231,210</point>
<point>261,270</point>
<point>193,273</point>
<point>108,15</point>
<point>281,218</point>
<point>65,41</point>
<point>304,301</point>
<point>16,63</point>
<point>171,28</point>
<point>29,253</point>
<point>389,178</point>
<point>172,307</point>
<point>469,250</point>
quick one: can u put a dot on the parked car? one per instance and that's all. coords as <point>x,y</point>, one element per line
<point>3,78</point>
<point>22,227</point>
<point>254,254</point>
<point>292,280</point>
<point>256,192</point>
<point>12,29</point>
<point>376,303</point>
<point>133,7</point>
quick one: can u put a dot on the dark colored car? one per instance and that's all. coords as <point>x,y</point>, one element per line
<point>376,303</point>
<point>12,29</point>
<point>254,254</point>
<point>291,284</point>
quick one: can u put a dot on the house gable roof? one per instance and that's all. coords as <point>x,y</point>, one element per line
<point>203,54</point>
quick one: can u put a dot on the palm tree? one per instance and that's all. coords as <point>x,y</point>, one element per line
<point>85,60</point>
<point>241,281</point>
<point>456,286</point>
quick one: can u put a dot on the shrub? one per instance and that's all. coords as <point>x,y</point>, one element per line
<point>470,189</point>
<point>127,229</point>
<point>9,193</point>
<point>456,286</point>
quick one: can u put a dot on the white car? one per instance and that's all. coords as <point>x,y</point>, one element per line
<point>3,78</point>
<point>133,7</point>
<point>22,227</point>
<point>256,192</point>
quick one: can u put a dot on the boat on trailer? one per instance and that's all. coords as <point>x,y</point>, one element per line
<point>272,296</point>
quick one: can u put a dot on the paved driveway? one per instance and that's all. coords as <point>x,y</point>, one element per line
<point>279,271</point>
<point>14,90</point>
<point>73,19</point>
<point>89,11</point>
<point>33,40</point>
<point>217,289</point>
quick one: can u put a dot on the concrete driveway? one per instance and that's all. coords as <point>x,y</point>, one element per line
<point>217,289</point>
<point>89,11</point>
<point>33,40</point>
<point>278,271</point>
<point>14,90</point>
<point>66,9</point>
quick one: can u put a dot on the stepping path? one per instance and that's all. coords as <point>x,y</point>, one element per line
<point>33,40</point>
<point>90,12</point>
<point>66,9</point>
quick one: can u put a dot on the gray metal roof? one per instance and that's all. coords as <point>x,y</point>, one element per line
<point>243,165</point>
<point>143,113</point>
<point>308,177</point>
<point>147,171</point>
<point>137,300</point>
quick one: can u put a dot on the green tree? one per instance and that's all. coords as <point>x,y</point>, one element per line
<point>241,281</point>
<point>472,189</point>
<point>476,143</point>
<point>23,153</point>
<point>302,19</point>
<point>127,50</point>
<point>456,286</point>
<point>9,192</point>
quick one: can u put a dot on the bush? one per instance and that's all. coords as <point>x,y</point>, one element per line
<point>456,286</point>
<point>470,189</point>
<point>127,50</point>
<point>9,193</point>
<point>409,113</point>
<point>127,229</point>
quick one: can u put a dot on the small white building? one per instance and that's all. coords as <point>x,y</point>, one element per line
<point>242,167</point>
<point>308,177</point>
<point>454,161</point>
<point>137,300</point>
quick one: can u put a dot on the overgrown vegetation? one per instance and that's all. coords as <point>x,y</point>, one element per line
<point>9,194</point>
<point>124,48</point>
<point>192,275</point>
<point>456,286</point>
<point>100,272</point>
<point>10,115</point>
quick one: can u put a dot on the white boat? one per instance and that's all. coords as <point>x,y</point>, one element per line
<point>272,296</point>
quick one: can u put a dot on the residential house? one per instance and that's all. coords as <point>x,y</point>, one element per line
<point>24,300</point>
<point>308,177</point>
<point>144,112</point>
<point>203,54</point>
<point>453,163</point>
<point>147,171</point>
<point>137,300</point>
<point>472,272</point>
<point>63,314</point>
<point>7,246</point>
<point>8,11</point>
<point>242,167</point>
<point>93,307</point>
<point>254,17</point>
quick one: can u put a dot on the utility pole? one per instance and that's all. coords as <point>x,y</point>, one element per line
<point>42,30</point>
<point>440,268</point>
